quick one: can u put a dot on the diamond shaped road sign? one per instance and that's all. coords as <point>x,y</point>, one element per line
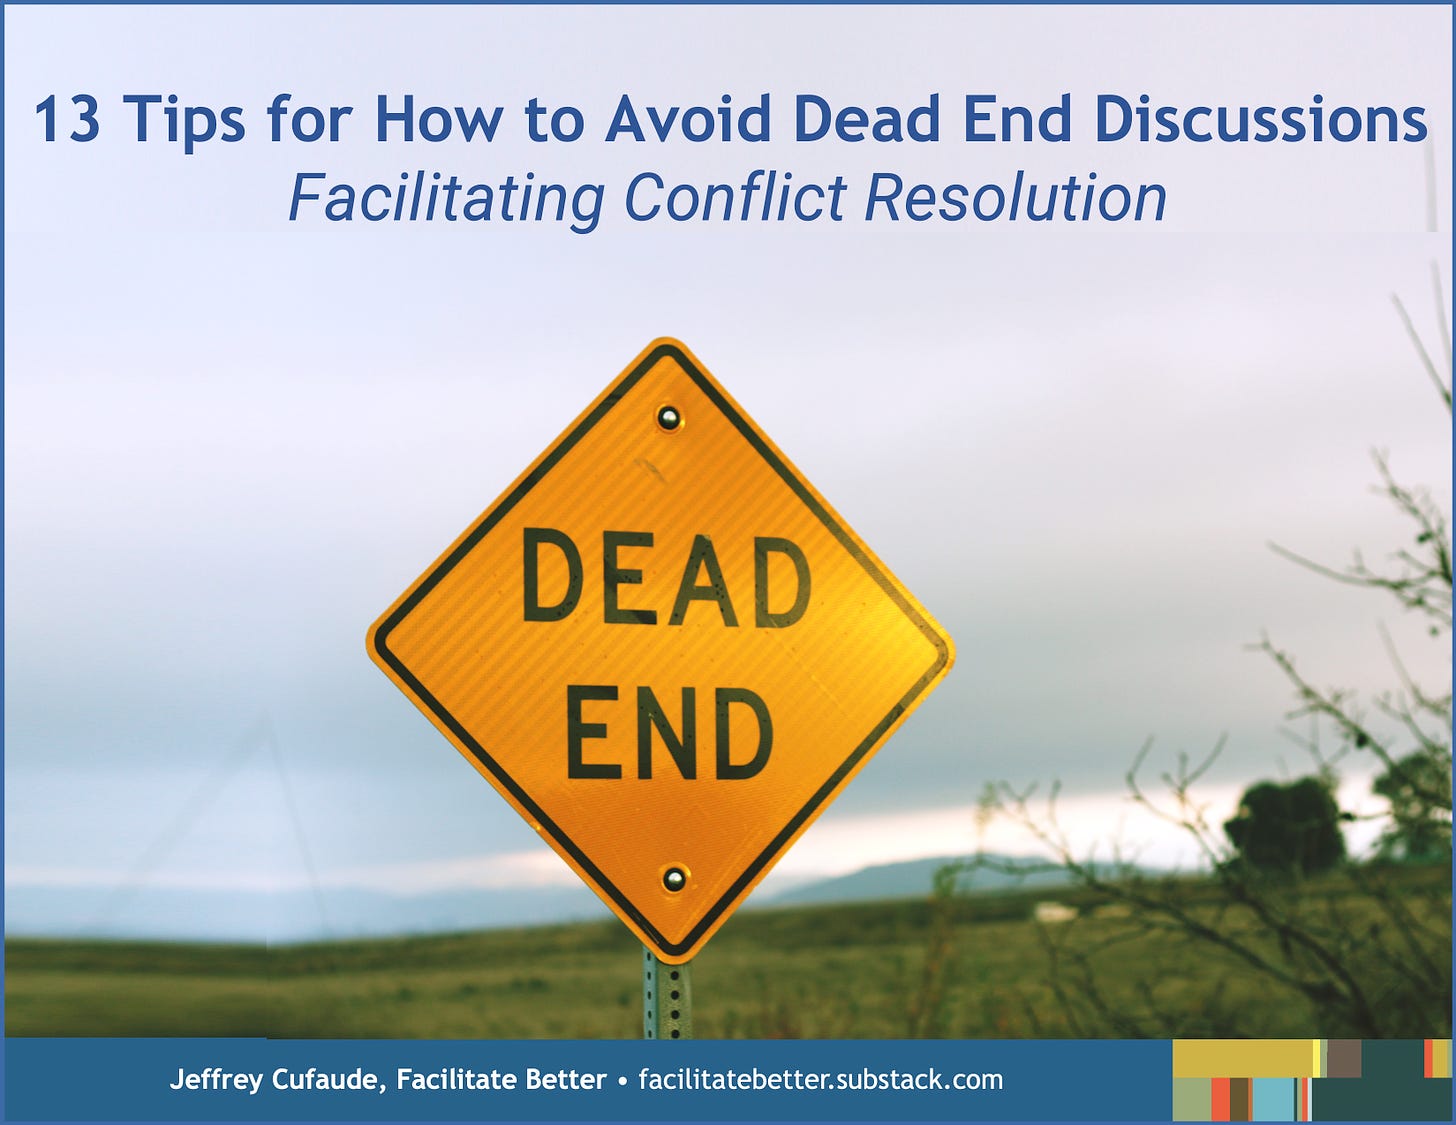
<point>664,648</point>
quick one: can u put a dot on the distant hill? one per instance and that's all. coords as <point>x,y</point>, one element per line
<point>914,879</point>
<point>166,914</point>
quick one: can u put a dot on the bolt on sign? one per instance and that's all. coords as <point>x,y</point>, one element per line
<point>664,648</point>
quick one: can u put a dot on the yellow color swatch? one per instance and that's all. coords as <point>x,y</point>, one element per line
<point>1246,1058</point>
<point>1440,1058</point>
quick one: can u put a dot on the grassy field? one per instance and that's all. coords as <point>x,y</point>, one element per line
<point>966,968</point>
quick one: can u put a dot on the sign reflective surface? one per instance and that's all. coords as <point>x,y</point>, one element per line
<point>664,649</point>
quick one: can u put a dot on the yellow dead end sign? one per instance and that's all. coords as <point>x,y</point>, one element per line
<point>664,648</point>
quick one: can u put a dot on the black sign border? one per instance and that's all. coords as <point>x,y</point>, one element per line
<point>380,643</point>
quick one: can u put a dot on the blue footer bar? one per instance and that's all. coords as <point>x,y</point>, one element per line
<point>412,1080</point>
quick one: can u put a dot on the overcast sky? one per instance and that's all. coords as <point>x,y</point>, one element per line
<point>230,442</point>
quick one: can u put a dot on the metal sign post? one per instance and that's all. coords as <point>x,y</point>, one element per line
<point>667,998</point>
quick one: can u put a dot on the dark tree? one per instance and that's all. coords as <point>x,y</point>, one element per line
<point>1289,829</point>
<point>1418,789</point>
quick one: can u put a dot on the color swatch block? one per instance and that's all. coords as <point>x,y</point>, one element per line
<point>1312,1080</point>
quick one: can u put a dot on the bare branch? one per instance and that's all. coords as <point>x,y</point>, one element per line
<point>1426,361</point>
<point>1442,325</point>
<point>1423,581</point>
<point>1437,706</point>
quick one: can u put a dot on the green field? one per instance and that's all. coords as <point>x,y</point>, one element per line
<point>966,968</point>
